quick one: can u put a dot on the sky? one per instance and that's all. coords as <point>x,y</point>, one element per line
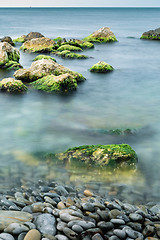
<point>80,3</point>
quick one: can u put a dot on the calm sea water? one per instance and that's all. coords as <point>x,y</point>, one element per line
<point>127,98</point>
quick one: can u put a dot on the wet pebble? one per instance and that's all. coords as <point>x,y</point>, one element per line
<point>6,236</point>
<point>46,223</point>
<point>33,234</point>
<point>16,228</point>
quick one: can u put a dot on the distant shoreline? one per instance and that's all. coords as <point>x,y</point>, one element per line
<point>81,7</point>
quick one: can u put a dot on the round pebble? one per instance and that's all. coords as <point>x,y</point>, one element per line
<point>33,234</point>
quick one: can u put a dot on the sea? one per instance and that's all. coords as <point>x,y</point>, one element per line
<point>36,124</point>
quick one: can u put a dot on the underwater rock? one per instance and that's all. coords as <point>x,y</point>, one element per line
<point>104,34</point>
<point>151,34</point>
<point>45,67</point>
<point>8,53</point>
<point>51,83</point>
<point>101,67</point>
<point>12,85</point>
<point>114,155</point>
<point>38,45</point>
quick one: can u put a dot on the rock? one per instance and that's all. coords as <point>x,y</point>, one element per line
<point>61,237</point>
<point>32,35</point>
<point>39,57</point>
<point>16,228</point>
<point>6,236</point>
<point>20,39</point>
<point>80,43</point>
<point>88,207</point>
<point>69,54</point>
<point>77,228</point>
<point>46,223</point>
<point>105,226</point>
<point>114,213</point>
<point>132,234</point>
<point>7,39</point>
<point>104,34</point>
<point>61,191</point>
<point>12,85</point>
<point>97,236</point>
<point>155,209</point>
<point>52,83</point>
<point>101,67</point>
<point>70,233</point>
<point>8,217</point>
<point>22,235</point>
<point>42,68</point>
<point>38,45</point>
<point>113,156</point>
<point>61,225</point>
<point>88,193</point>
<point>117,221</point>
<point>149,231</point>
<point>37,207</point>
<point>136,217</point>
<point>151,34</point>
<point>68,47</point>
<point>119,233</point>
<point>33,234</point>
<point>8,54</point>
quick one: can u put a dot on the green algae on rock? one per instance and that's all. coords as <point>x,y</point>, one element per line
<point>39,57</point>
<point>68,54</point>
<point>81,43</point>
<point>12,85</point>
<point>69,47</point>
<point>12,65</point>
<point>103,35</point>
<point>101,67</point>
<point>151,34</point>
<point>19,39</point>
<point>45,67</point>
<point>38,45</point>
<point>114,155</point>
<point>52,83</point>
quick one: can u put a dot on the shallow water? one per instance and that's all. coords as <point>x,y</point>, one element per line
<point>126,98</point>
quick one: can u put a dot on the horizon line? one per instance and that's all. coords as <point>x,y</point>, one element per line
<point>79,6</point>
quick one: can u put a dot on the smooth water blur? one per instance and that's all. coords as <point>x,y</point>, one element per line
<point>126,98</point>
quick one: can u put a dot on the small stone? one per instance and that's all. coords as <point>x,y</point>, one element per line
<point>37,207</point>
<point>61,190</point>
<point>135,226</point>
<point>61,237</point>
<point>50,200</point>
<point>119,233</point>
<point>136,217</point>
<point>114,238</point>
<point>61,225</point>
<point>97,236</point>
<point>77,228</point>
<point>33,234</point>
<point>105,226</point>
<point>70,233</point>
<point>61,205</point>
<point>114,213</point>
<point>21,236</point>
<point>149,231</point>
<point>103,214</point>
<point>6,236</point>
<point>45,223</point>
<point>132,234</point>
<point>88,207</point>
<point>16,228</point>
<point>88,193</point>
<point>118,221</point>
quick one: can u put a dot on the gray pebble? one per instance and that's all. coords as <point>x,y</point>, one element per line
<point>119,233</point>
<point>114,238</point>
<point>70,233</point>
<point>45,223</point>
<point>97,236</point>
<point>135,226</point>
<point>135,217</point>
<point>27,209</point>
<point>61,237</point>
<point>149,231</point>
<point>118,221</point>
<point>21,236</point>
<point>16,228</point>
<point>61,225</point>
<point>132,234</point>
<point>88,207</point>
<point>61,190</point>
<point>105,226</point>
<point>6,236</point>
<point>77,228</point>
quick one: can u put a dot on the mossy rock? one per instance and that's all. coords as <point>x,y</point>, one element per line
<point>114,155</point>
<point>81,43</point>
<point>19,39</point>
<point>151,34</point>
<point>101,67</point>
<point>103,35</point>
<point>12,85</point>
<point>58,39</point>
<point>39,57</point>
<point>52,83</point>
<point>68,54</point>
<point>12,65</point>
<point>69,48</point>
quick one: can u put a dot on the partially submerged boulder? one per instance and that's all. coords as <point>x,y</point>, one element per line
<point>81,43</point>
<point>32,35</point>
<point>12,65</point>
<point>38,45</point>
<point>69,47</point>
<point>151,34</point>
<point>52,83</point>
<point>39,57</point>
<point>69,54</point>
<point>7,39</point>
<point>114,155</point>
<point>104,34</point>
<point>8,53</point>
<point>45,67</point>
<point>101,67</point>
<point>12,85</point>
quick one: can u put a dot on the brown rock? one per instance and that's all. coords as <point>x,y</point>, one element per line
<point>88,193</point>
<point>38,45</point>
<point>33,234</point>
<point>32,35</point>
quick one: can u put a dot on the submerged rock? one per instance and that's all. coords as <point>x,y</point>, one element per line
<point>151,34</point>
<point>101,67</point>
<point>69,54</point>
<point>38,45</point>
<point>39,57</point>
<point>104,34</point>
<point>52,83</point>
<point>8,53</point>
<point>42,68</point>
<point>12,85</point>
<point>7,39</point>
<point>115,155</point>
